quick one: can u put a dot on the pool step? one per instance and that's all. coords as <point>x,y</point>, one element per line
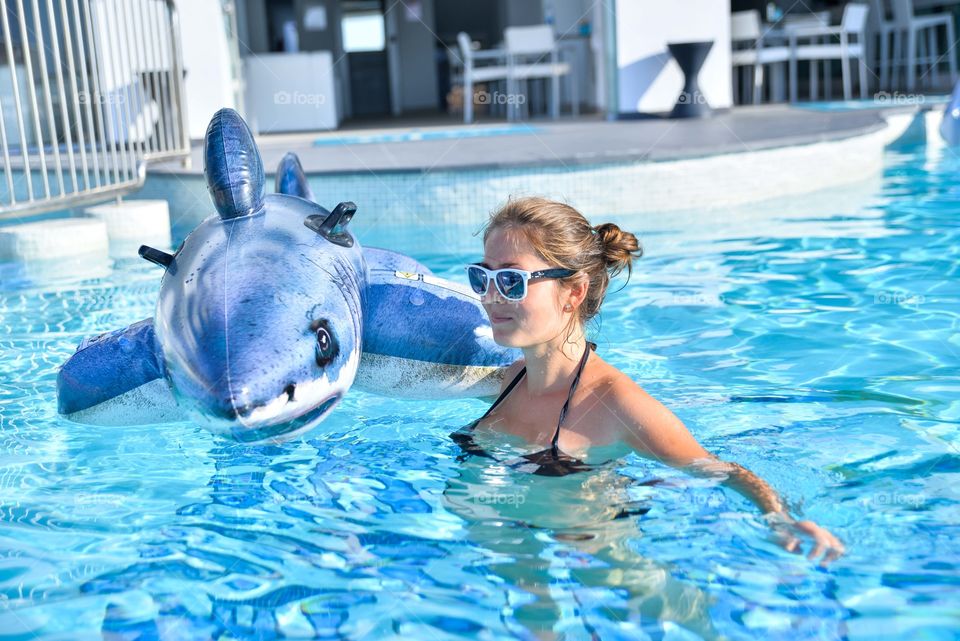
<point>53,239</point>
<point>112,228</point>
<point>131,223</point>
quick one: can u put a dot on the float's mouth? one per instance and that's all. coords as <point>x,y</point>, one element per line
<point>286,429</point>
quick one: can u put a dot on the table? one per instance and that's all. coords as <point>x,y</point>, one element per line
<point>786,32</point>
<point>690,56</point>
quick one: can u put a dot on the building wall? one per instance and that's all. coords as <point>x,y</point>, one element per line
<point>416,48</point>
<point>575,24</point>
<point>648,79</point>
<point>521,13</point>
<point>328,39</point>
<point>206,58</point>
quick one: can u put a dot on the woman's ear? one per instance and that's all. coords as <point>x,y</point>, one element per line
<point>577,291</point>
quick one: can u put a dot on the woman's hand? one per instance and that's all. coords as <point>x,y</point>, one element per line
<point>787,529</point>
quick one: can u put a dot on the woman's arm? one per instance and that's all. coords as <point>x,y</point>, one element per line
<point>655,432</point>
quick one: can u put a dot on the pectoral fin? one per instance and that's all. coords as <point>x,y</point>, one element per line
<point>117,378</point>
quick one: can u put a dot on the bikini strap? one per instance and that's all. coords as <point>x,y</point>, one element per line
<point>573,387</point>
<point>503,394</point>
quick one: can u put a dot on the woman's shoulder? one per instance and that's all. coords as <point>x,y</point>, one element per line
<point>623,399</point>
<point>607,379</point>
<point>646,424</point>
<point>510,373</point>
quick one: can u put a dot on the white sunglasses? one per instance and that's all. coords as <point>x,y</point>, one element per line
<point>510,282</point>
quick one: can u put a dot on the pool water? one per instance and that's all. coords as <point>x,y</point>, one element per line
<point>812,340</point>
<point>408,135</point>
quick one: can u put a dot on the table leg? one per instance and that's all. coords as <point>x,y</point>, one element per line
<point>778,82</point>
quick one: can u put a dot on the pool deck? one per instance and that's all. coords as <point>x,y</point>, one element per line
<point>566,142</point>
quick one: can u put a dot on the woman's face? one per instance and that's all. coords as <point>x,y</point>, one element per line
<point>536,319</point>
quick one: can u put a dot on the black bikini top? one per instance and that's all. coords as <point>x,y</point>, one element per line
<point>551,461</point>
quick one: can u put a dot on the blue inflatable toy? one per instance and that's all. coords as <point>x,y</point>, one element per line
<point>950,125</point>
<point>270,311</point>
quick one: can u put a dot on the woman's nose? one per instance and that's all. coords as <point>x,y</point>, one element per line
<point>492,295</point>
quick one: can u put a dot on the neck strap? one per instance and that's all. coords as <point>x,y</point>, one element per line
<point>573,386</point>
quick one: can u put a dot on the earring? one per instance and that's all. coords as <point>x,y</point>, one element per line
<point>567,308</point>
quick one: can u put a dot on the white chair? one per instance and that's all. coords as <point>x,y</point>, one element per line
<point>473,73</point>
<point>536,42</point>
<point>906,24</point>
<point>853,24</point>
<point>807,20</point>
<point>745,29</point>
<point>883,29</point>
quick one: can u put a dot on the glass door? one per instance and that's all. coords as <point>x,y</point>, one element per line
<point>365,45</point>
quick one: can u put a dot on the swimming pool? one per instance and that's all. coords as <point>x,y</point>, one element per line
<point>812,340</point>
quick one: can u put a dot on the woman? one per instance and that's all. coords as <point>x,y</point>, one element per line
<point>544,275</point>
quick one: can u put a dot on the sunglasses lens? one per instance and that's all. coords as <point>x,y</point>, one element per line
<point>478,280</point>
<point>512,285</point>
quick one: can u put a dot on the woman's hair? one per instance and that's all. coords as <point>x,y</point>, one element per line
<point>564,238</point>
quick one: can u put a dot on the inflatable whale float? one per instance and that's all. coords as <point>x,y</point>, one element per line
<point>270,311</point>
<point>950,124</point>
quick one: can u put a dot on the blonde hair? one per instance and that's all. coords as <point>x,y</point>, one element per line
<point>563,237</point>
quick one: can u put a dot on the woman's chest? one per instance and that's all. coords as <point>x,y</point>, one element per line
<point>536,421</point>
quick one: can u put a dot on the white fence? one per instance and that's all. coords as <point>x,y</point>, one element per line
<point>90,92</point>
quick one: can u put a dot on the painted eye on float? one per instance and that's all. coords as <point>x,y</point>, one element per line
<point>326,344</point>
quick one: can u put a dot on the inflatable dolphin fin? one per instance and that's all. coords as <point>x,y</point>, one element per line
<point>333,226</point>
<point>155,256</point>
<point>116,378</point>
<point>232,165</point>
<point>291,180</point>
<point>442,348</point>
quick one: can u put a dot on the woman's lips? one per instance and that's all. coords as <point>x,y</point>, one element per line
<point>499,319</point>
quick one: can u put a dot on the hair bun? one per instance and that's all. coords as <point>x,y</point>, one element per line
<point>620,248</point>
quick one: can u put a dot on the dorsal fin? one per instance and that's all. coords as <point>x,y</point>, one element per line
<point>290,178</point>
<point>232,165</point>
<point>333,226</point>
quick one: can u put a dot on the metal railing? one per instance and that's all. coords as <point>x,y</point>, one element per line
<point>90,92</point>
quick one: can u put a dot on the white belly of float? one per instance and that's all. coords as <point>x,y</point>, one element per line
<point>408,378</point>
